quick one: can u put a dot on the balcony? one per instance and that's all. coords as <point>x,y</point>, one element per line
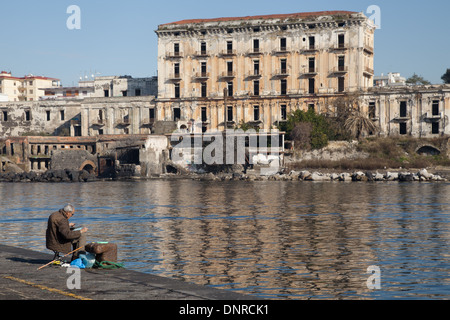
<point>254,75</point>
<point>174,55</point>
<point>282,73</point>
<point>254,52</point>
<point>368,49</point>
<point>125,122</point>
<point>340,46</point>
<point>201,54</point>
<point>433,117</point>
<point>309,72</point>
<point>281,51</point>
<point>227,53</point>
<point>99,122</point>
<point>175,77</point>
<point>369,71</point>
<point>340,70</point>
<point>311,49</point>
<point>227,76</point>
<point>147,123</point>
<point>199,76</point>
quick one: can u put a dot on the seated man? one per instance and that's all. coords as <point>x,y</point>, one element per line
<point>59,235</point>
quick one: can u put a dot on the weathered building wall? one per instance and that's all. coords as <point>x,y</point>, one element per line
<point>38,117</point>
<point>73,159</point>
<point>153,156</point>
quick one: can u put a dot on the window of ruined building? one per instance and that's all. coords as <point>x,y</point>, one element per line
<point>230,113</point>
<point>27,115</point>
<point>256,113</point>
<point>203,48</point>
<point>5,116</point>
<point>229,68</point>
<point>137,92</point>
<point>341,63</point>
<point>283,65</point>
<point>203,69</point>
<point>256,88</point>
<point>283,46</point>
<point>341,41</point>
<point>204,90</point>
<point>124,93</point>
<point>256,29</point>
<point>311,106</point>
<point>176,48</point>
<point>204,115</point>
<point>256,67</point>
<point>176,70</point>
<point>283,112</point>
<point>403,128</point>
<point>48,115</point>
<point>100,132</point>
<point>435,128</point>
<point>372,110</point>
<point>176,114</point>
<point>229,47</point>
<point>283,87</point>
<point>177,90</point>
<point>256,45</point>
<point>230,88</point>
<point>312,64</point>
<point>311,85</point>
<point>62,115</point>
<point>106,93</point>
<point>403,109</point>
<point>312,43</point>
<point>152,115</point>
<point>435,108</point>
<point>341,84</point>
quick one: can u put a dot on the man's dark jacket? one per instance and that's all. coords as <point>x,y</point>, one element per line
<point>59,237</point>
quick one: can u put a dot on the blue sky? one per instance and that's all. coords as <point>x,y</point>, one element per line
<point>118,38</point>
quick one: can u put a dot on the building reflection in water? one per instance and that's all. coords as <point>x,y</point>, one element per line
<point>274,239</point>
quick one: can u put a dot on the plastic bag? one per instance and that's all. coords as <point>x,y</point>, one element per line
<point>78,263</point>
<point>88,259</point>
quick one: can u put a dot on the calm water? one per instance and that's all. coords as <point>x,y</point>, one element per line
<point>277,240</point>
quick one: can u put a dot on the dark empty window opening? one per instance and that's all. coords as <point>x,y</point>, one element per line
<point>311,85</point>
<point>256,88</point>
<point>341,63</point>
<point>203,48</point>
<point>177,90</point>
<point>311,107</point>
<point>152,115</point>
<point>204,90</point>
<point>372,110</point>
<point>230,88</point>
<point>124,93</point>
<point>256,45</point>
<point>106,93</point>
<point>5,115</point>
<point>341,41</point>
<point>176,114</point>
<point>229,47</point>
<point>203,69</point>
<point>435,128</point>
<point>283,112</point>
<point>403,128</point>
<point>403,109</point>
<point>47,113</point>
<point>204,115</point>
<point>256,113</point>
<point>312,65</point>
<point>176,49</point>
<point>230,113</point>
<point>435,108</point>
<point>283,65</point>
<point>176,70</point>
<point>137,92</point>
<point>230,68</point>
<point>312,43</point>
<point>341,84</point>
<point>256,67</point>
<point>283,87</point>
<point>62,115</point>
<point>283,44</point>
<point>27,115</point>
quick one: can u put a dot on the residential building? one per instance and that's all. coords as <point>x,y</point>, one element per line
<point>391,79</point>
<point>121,86</point>
<point>28,88</point>
<point>225,71</point>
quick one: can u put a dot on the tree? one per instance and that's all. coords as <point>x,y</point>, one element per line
<point>417,80</point>
<point>446,77</point>
<point>359,125</point>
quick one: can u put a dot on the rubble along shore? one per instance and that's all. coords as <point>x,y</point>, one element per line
<point>54,176</point>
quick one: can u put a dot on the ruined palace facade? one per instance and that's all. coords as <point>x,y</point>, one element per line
<point>221,72</point>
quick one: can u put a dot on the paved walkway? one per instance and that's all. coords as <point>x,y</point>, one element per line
<point>20,280</point>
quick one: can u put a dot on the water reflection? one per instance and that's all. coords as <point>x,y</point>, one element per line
<point>288,240</point>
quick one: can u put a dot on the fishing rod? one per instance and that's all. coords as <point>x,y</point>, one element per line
<point>60,258</point>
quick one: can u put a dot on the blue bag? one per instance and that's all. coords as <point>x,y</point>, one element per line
<point>78,263</point>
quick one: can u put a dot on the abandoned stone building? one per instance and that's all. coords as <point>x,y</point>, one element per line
<point>258,69</point>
